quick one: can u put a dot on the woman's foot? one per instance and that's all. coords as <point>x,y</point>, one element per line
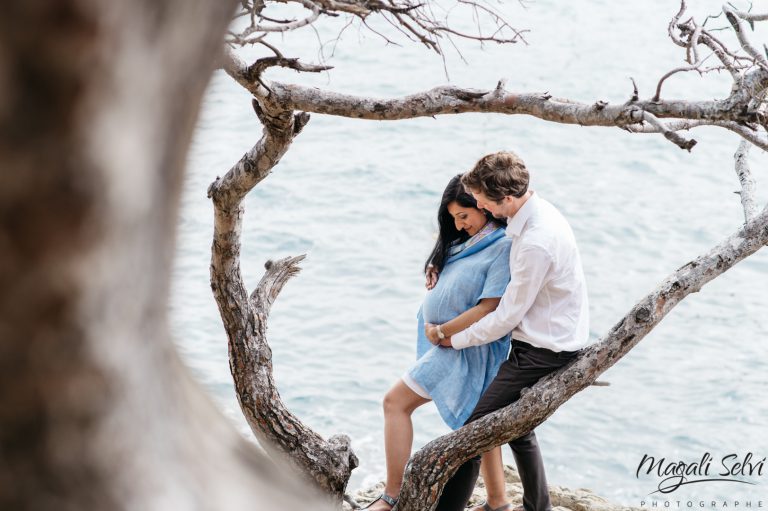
<point>383,503</point>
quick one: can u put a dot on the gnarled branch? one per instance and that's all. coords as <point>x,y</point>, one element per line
<point>328,463</point>
<point>746,180</point>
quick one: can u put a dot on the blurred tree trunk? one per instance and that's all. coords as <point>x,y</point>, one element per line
<point>98,101</point>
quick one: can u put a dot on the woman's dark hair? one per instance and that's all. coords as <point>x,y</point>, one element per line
<point>448,234</point>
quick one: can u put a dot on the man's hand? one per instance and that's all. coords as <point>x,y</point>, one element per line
<point>430,331</point>
<point>432,277</point>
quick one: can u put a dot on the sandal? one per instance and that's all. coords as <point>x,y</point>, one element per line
<point>386,498</point>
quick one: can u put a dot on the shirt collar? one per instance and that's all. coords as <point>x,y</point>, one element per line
<point>516,222</point>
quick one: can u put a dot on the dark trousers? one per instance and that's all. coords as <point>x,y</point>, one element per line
<point>524,367</point>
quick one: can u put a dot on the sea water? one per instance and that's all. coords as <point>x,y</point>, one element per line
<point>360,198</point>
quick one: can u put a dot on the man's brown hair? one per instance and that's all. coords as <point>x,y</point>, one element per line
<point>498,175</point>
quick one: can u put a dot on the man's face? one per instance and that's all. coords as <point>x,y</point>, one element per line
<point>498,210</point>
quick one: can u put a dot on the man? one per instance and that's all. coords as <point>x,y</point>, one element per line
<point>544,307</point>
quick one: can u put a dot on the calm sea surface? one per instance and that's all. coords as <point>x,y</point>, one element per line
<point>360,197</point>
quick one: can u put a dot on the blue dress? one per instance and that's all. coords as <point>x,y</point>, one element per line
<point>455,379</point>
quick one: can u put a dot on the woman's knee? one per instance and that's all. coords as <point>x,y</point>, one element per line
<point>400,399</point>
<point>393,401</point>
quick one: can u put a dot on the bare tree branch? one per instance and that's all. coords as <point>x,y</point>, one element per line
<point>673,25</point>
<point>445,100</point>
<point>327,463</point>
<point>746,133</point>
<point>670,135</point>
<point>746,180</point>
<point>695,63</point>
<point>413,18</point>
<point>280,26</point>
<point>749,16</point>
<point>737,110</point>
<point>739,26</point>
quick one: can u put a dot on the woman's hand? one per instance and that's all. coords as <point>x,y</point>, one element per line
<point>430,331</point>
<point>432,276</point>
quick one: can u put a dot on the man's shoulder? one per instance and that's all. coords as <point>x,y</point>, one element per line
<point>535,244</point>
<point>549,228</point>
<point>548,211</point>
<point>549,218</point>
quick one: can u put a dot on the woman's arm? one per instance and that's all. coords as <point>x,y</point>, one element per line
<point>463,320</point>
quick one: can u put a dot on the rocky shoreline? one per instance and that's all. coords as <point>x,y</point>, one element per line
<point>563,499</point>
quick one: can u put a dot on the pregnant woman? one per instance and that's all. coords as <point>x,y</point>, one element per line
<point>467,273</point>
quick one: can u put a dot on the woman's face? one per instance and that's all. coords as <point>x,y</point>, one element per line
<point>470,220</point>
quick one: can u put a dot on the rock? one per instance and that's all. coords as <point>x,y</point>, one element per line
<point>563,499</point>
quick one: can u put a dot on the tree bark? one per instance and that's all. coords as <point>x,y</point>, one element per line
<point>328,464</point>
<point>454,100</point>
<point>747,182</point>
<point>738,112</point>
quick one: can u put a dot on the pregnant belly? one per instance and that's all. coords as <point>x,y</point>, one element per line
<point>439,308</point>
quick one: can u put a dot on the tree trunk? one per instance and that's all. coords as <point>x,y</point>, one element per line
<point>98,101</point>
<point>328,464</point>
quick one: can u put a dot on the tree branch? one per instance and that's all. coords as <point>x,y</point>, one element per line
<point>749,16</point>
<point>694,66</point>
<point>445,100</point>
<point>284,27</point>
<point>673,24</point>
<point>739,26</point>
<point>670,135</point>
<point>746,133</point>
<point>327,463</point>
<point>270,285</point>
<point>414,18</point>
<point>746,180</point>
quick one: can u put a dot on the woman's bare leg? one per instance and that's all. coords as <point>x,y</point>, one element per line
<point>492,470</point>
<point>399,403</point>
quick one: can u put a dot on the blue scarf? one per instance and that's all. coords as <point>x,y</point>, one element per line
<point>485,237</point>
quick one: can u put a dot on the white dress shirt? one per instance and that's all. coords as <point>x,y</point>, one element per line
<point>545,303</point>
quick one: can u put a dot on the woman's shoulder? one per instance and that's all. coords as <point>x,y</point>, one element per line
<point>502,244</point>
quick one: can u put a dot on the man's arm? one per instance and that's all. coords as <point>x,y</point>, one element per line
<point>462,321</point>
<point>528,275</point>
